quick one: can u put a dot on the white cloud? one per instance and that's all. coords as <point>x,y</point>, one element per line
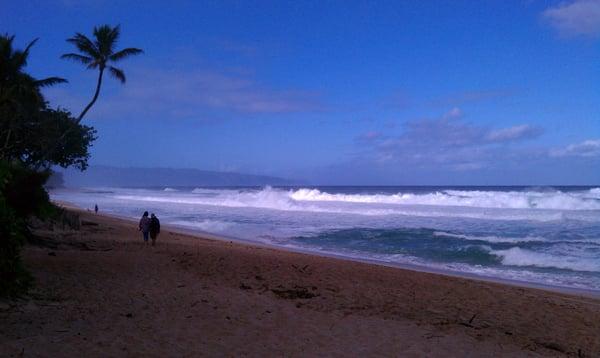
<point>453,113</point>
<point>580,17</point>
<point>587,148</point>
<point>447,141</point>
<point>194,94</point>
<point>514,133</point>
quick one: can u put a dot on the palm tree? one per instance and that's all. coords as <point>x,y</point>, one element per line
<point>100,54</point>
<point>20,94</point>
<point>13,78</point>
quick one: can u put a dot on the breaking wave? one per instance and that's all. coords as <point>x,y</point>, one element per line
<point>493,239</point>
<point>516,256</point>
<point>493,205</point>
<point>557,200</point>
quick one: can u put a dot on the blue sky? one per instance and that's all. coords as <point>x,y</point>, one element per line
<point>398,92</point>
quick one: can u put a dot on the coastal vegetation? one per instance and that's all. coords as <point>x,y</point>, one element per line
<point>34,137</point>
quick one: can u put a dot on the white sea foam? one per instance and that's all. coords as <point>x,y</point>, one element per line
<point>285,200</point>
<point>215,226</point>
<point>483,199</point>
<point>594,193</point>
<point>495,205</point>
<point>492,239</point>
<point>516,256</point>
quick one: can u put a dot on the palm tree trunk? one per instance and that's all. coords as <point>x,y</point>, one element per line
<point>87,108</point>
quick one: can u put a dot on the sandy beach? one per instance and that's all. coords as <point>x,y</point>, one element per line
<point>101,292</point>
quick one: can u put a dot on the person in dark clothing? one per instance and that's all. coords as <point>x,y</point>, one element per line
<point>154,228</point>
<point>96,208</point>
<point>144,226</point>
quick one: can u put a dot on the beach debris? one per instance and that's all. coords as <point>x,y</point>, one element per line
<point>552,346</point>
<point>88,223</point>
<point>432,335</point>
<point>295,293</point>
<point>180,286</point>
<point>259,278</point>
<point>469,323</point>
<point>301,269</point>
<point>243,286</point>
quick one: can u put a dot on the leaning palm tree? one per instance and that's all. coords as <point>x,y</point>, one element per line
<point>100,53</point>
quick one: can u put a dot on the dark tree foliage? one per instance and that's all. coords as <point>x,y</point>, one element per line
<point>54,138</point>
<point>31,132</point>
<point>37,141</point>
<point>14,278</point>
<point>32,135</point>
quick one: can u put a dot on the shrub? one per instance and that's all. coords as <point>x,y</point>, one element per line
<point>14,278</point>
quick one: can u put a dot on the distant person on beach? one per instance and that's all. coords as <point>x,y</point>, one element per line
<point>154,228</point>
<point>144,226</point>
<point>96,208</point>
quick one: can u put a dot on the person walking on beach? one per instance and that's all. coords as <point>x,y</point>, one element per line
<point>144,226</point>
<point>96,208</point>
<point>154,228</point>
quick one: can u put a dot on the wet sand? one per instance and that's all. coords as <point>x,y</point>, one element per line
<point>101,292</point>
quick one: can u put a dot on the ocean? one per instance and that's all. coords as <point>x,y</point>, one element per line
<point>540,235</point>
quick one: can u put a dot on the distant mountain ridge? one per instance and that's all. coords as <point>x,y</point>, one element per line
<point>145,177</point>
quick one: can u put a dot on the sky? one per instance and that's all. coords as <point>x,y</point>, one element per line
<point>337,92</point>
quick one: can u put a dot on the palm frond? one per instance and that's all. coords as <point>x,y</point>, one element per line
<point>30,45</point>
<point>115,33</point>
<point>86,60</point>
<point>106,38</point>
<point>19,58</point>
<point>50,81</point>
<point>94,65</point>
<point>6,46</point>
<point>117,73</point>
<point>125,53</point>
<point>85,45</point>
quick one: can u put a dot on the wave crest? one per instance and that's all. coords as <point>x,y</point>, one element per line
<point>516,256</point>
<point>555,200</point>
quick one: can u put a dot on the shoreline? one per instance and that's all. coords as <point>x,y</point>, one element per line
<point>100,291</point>
<point>402,266</point>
